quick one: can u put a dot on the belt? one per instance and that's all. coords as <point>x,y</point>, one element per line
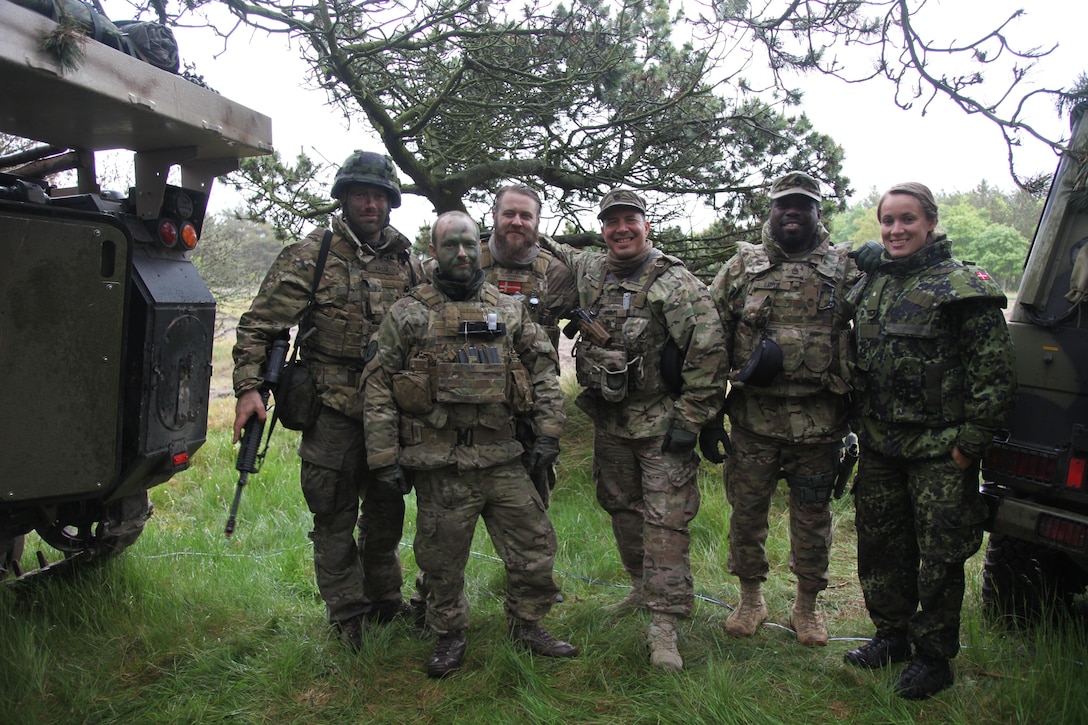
<point>468,436</point>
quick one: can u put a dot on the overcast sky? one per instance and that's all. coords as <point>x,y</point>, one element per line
<point>945,149</point>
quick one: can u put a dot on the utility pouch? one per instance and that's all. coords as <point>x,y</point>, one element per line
<point>602,369</point>
<point>412,391</point>
<point>475,383</point>
<point>297,402</point>
<point>521,389</point>
<point>764,364</point>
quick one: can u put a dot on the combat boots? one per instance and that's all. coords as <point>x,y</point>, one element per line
<point>662,641</point>
<point>750,613</point>
<point>806,621</point>
<point>449,653</point>
<point>350,633</point>
<point>632,601</point>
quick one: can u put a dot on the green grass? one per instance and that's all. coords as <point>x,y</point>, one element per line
<point>190,627</point>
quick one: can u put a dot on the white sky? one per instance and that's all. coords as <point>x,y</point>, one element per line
<point>946,149</point>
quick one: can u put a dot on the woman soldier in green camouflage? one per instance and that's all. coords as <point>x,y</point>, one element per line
<point>935,381</point>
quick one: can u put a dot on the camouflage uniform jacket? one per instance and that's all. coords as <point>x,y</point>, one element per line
<point>935,365</point>
<point>544,285</point>
<point>357,287</point>
<point>800,303</point>
<point>435,397</point>
<point>662,301</point>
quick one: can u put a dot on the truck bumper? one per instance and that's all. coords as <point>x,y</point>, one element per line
<point>1034,522</point>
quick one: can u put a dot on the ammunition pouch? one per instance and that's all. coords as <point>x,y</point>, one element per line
<point>473,383</point>
<point>813,489</point>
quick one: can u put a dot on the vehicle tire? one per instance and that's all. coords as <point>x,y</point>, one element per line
<point>102,534</point>
<point>1022,581</point>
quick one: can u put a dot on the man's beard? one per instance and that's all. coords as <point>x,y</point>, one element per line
<point>506,251</point>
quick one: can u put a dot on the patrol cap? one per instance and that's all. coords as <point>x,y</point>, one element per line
<point>621,197</point>
<point>367,167</point>
<point>796,182</point>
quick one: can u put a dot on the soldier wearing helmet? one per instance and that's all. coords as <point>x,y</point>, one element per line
<point>367,265</point>
<point>787,327</point>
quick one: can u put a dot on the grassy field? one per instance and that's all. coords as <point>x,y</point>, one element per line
<point>190,627</point>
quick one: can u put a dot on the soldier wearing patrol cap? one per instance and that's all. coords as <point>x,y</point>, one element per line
<point>787,330</point>
<point>636,302</point>
<point>367,266</point>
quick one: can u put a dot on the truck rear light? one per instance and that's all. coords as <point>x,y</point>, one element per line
<point>1074,478</point>
<point>1023,463</point>
<point>168,232</point>
<point>1063,531</point>
<point>188,235</point>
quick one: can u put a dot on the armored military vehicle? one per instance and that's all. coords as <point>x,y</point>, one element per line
<point>1036,475</point>
<point>105,324</point>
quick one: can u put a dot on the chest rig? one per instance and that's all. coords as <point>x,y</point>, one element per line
<point>528,285</point>
<point>358,293</point>
<point>466,376</point>
<point>909,369</point>
<point>630,360</point>
<point>802,307</point>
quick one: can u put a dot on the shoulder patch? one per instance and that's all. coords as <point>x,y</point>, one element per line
<point>371,351</point>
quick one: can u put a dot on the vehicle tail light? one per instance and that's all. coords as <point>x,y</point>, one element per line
<point>1063,531</point>
<point>1023,463</point>
<point>168,232</point>
<point>188,235</point>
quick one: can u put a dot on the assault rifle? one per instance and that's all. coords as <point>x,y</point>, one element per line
<point>249,459</point>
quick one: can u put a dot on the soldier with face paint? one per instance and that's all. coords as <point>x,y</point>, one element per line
<point>368,267</point>
<point>452,365</point>
<point>787,329</point>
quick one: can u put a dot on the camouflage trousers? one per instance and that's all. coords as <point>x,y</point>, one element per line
<point>751,478</point>
<point>354,577</point>
<point>651,497</point>
<point>449,503</point>
<point>918,521</point>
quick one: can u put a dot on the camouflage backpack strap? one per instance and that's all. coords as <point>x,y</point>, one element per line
<point>428,294</point>
<point>542,262</point>
<point>658,264</point>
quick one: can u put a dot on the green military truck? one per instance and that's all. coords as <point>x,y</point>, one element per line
<point>105,325</point>
<point>1036,475</point>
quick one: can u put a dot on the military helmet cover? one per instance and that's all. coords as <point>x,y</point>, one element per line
<point>367,167</point>
<point>796,182</point>
<point>621,197</point>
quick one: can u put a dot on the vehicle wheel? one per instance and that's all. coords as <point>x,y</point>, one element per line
<point>100,535</point>
<point>1023,581</point>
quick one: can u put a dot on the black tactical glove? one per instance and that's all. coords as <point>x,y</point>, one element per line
<point>545,451</point>
<point>867,256</point>
<point>714,442</point>
<point>678,440</point>
<point>393,480</point>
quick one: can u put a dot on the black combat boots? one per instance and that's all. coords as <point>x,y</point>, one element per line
<point>881,650</point>
<point>449,652</point>
<point>540,642</point>
<point>923,678</point>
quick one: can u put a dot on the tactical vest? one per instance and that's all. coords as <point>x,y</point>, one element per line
<point>528,285</point>
<point>908,367</point>
<point>342,330</point>
<point>470,360</point>
<point>631,361</point>
<point>804,310</point>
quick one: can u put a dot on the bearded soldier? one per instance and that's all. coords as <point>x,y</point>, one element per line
<point>452,365</point>
<point>366,267</point>
<point>787,331</point>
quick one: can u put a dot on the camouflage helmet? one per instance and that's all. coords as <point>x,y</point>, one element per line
<point>367,167</point>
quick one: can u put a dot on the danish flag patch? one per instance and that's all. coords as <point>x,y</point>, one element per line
<point>509,287</point>
<point>981,274</point>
